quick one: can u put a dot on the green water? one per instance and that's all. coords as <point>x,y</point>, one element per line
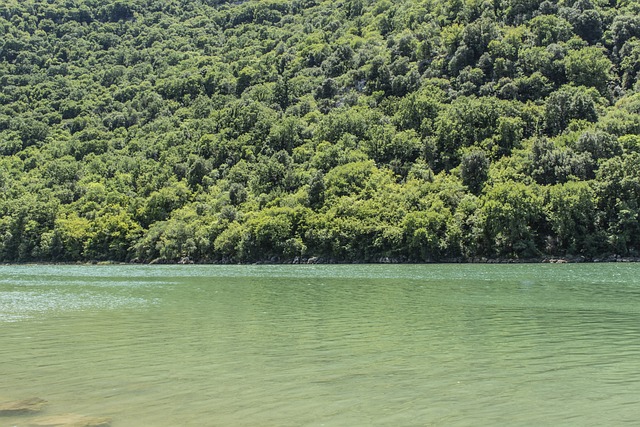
<point>354,345</point>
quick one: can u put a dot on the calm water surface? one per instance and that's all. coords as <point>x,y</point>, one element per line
<point>355,345</point>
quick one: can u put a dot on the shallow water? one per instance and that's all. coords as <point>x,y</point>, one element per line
<point>356,345</point>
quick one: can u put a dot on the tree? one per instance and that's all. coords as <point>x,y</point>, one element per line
<point>589,67</point>
<point>570,209</point>
<point>512,215</point>
<point>316,190</point>
<point>570,103</point>
<point>618,195</point>
<point>112,234</point>
<point>424,233</point>
<point>474,170</point>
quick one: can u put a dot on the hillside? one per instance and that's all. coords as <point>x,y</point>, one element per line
<point>350,130</point>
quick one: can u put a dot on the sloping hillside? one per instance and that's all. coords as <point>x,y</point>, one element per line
<point>351,130</point>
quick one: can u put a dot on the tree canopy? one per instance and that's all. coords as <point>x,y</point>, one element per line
<point>359,130</point>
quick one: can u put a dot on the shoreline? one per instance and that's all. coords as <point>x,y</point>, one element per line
<point>329,261</point>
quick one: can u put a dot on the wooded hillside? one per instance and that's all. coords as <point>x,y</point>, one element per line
<point>355,130</point>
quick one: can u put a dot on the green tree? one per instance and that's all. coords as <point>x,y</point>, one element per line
<point>618,194</point>
<point>474,170</point>
<point>570,209</point>
<point>570,103</point>
<point>511,217</point>
<point>589,67</point>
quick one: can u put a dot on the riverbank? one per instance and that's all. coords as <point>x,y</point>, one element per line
<point>332,261</point>
<point>391,260</point>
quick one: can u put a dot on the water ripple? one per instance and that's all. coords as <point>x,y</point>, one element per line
<point>325,345</point>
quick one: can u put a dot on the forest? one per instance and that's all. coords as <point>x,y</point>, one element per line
<point>346,131</point>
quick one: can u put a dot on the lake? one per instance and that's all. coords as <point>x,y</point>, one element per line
<point>324,345</point>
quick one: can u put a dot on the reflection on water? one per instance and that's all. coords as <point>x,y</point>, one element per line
<point>24,304</point>
<point>324,345</point>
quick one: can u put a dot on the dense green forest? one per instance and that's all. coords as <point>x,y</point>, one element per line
<point>353,130</point>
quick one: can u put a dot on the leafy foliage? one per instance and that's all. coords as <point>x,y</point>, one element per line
<point>355,131</point>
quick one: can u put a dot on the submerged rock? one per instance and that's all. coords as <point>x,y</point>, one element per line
<point>71,420</point>
<point>26,406</point>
